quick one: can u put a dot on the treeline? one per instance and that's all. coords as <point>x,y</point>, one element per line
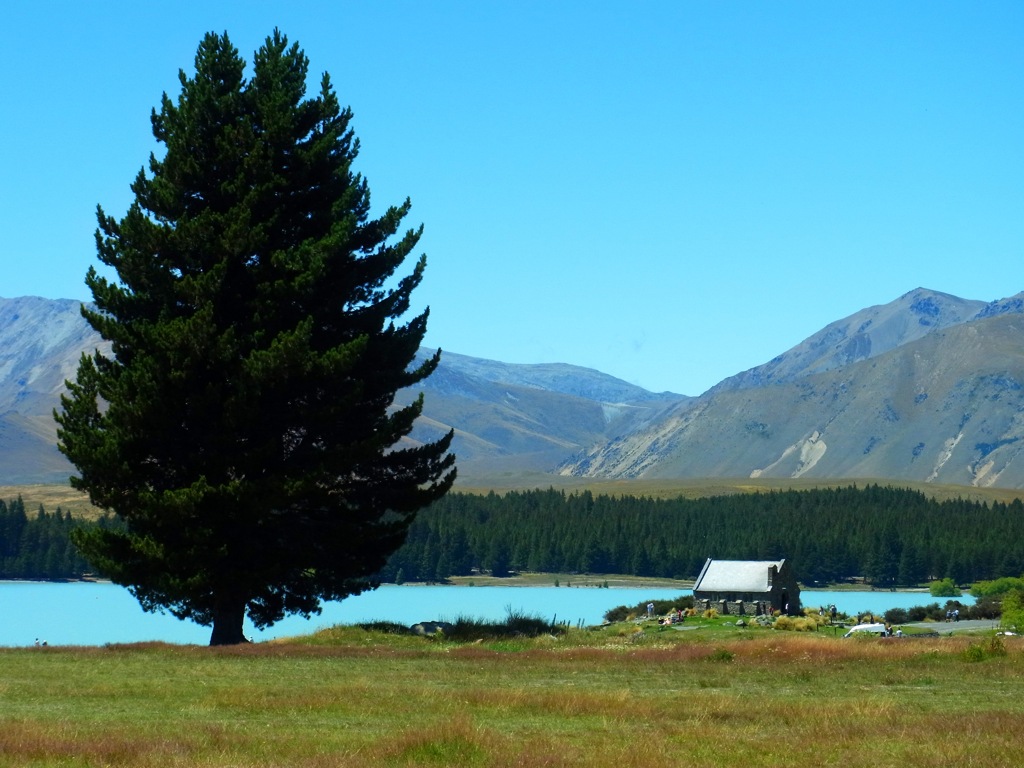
<point>890,536</point>
<point>38,546</point>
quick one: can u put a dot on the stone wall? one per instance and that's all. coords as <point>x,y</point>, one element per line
<point>735,607</point>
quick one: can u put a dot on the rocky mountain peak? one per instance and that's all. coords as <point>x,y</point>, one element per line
<point>861,336</point>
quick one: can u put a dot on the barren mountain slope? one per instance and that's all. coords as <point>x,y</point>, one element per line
<point>915,389</point>
<point>41,341</point>
<point>511,418</point>
<point>948,407</point>
<point>528,418</point>
<point>861,336</point>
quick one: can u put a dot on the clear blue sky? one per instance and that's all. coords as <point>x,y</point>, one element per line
<point>669,192</point>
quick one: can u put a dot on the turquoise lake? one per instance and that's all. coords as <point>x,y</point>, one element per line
<point>88,613</point>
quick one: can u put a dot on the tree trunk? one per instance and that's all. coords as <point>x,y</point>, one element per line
<point>227,625</point>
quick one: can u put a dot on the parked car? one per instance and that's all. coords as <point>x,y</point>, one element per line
<point>869,629</point>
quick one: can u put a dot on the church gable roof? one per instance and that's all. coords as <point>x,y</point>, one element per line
<point>736,575</point>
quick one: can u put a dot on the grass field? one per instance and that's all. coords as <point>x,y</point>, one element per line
<point>51,496</point>
<point>617,696</point>
<point>702,487</point>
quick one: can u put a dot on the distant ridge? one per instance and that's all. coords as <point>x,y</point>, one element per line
<point>511,419</point>
<point>928,388</point>
<point>862,336</point>
<point>507,418</point>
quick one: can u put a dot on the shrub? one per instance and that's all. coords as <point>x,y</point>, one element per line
<point>981,651</point>
<point>943,588</point>
<point>661,608</point>
<point>1013,611</point>
<point>386,627</point>
<point>805,624</point>
<point>926,612</point>
<point>973,653</point>
<point>617,614</point>
<point>516,624</point>
<point>985,608</point>
<point>996,647</point>
<point>932,612</point>
<point>897,616</point>
<point>796,623</point>
<point>998,587</point>
<point>720,654</point>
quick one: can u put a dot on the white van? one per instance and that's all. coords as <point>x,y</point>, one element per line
<point>868,629</point>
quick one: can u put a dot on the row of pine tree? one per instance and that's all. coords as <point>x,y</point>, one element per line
<point>889,536</point>
<point>38,547</point>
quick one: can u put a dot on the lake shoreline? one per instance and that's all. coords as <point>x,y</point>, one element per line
<point>91,613</point>
<point>567,580</point>
<point>614,581</point>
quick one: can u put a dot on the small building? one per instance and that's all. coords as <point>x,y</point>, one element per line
<point>747,587</point>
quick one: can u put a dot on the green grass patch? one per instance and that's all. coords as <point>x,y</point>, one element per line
<point>374,695</point>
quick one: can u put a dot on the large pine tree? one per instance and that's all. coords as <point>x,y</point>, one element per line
<point>244,428</point>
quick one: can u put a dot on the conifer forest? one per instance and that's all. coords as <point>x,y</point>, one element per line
<point>887,536</point>
<point>38,546</point>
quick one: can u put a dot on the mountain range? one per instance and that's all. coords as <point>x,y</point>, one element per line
<point>929,388</point>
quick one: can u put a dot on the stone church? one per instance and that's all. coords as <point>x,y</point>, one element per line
<point>747,587</point>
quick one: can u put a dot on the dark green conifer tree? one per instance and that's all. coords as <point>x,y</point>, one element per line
<point>243,429</point>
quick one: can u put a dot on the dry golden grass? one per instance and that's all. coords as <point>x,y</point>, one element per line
<point>702,487</point>
<point>761,698</point>
<point>52,496</point>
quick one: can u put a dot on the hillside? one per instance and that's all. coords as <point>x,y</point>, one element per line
<point>862,336</point>
<point>927,389</point>
<point>515,419</point>
<point>939,406</point>
<point>41,341</point>
<point>508,418</point>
